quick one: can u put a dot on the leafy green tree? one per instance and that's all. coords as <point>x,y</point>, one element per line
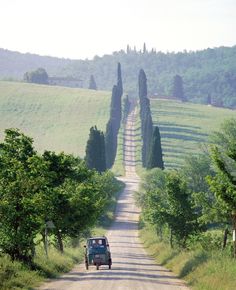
<point>155,152</point>
<point>179,214</point>
<point>92,83</point>
<point>223,155</point>
<point>178,91</point>
<point>66,172</point>
<point>23,181</point>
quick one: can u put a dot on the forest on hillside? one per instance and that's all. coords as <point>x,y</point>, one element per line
<point>207,73</point>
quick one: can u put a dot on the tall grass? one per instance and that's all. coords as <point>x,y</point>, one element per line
<point>203,270</point>
<point>15,275</point>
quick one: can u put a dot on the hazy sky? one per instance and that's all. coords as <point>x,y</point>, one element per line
<point>84,28</point>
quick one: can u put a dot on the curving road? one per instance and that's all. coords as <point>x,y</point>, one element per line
<point>132,268</point>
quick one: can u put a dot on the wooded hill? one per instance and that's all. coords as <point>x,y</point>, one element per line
<point>210,72</point>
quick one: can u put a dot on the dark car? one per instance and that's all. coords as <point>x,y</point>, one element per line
<point>97,252</point>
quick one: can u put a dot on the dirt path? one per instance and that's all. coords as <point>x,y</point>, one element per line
<point>132,268</point>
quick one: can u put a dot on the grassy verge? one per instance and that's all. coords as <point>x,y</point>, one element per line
<point>15,275</point>
<point>138,144</point>
<point>203,270</point>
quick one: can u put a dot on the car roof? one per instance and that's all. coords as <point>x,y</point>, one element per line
<point>95,238</point>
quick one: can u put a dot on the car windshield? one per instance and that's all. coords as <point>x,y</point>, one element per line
<point>94,243</point>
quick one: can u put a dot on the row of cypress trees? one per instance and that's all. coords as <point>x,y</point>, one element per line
<point>113,125</point>
<point>100,149</point>
<point>151,148</point>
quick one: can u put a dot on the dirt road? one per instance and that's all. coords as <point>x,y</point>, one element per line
<point>132,268</point>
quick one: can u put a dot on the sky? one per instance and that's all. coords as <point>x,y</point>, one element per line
<point>81,29</point>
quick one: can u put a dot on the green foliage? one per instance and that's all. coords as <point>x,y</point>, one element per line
<point>178,90</point>
<point>224,158</point>
<point>179,214</point>
<point>38,76</point>
<point>114,122</point>
<point>109,144</point>
<point>166,201</point>
<point>95,150</point>
<point>146,118</point>
<point>126,108</point>
<point>23,180</point>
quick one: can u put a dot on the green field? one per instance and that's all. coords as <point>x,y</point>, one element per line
<point>57,118</point>
<point>185,127</point>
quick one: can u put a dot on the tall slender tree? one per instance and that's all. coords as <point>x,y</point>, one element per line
<point>155,152</point>
<point>142,82</point>
<point>109,144</point>
<point>95,150</point>
<point>113,124</point>
<point>92,83</point>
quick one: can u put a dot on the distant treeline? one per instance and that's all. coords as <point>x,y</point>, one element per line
<point>210,73</point>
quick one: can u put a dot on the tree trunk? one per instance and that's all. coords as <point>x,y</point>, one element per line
<point>234,230</point>
<point>171,239</point>
<point>45,242</point>
<point>226,232</point>
<point>59,241</point>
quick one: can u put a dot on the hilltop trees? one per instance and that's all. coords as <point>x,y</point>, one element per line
<point>38,76</point>
<point>178,91</point>
<point>95,150</point>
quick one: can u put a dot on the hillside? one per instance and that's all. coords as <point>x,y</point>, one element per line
<point>185,127</point>
<point>57,118</point>
<point>207,72</point>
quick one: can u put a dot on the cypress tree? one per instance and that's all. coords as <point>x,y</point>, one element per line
<point>102,155</point>
<point>142,83</point>
<point>92,83</point>
<point>155,154</point>
<point>126,108</point>
<point>147,137</point>
<point>119,81</point>
<point>95,150</point>
<point>113,124</point>
<point>109,144</point>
